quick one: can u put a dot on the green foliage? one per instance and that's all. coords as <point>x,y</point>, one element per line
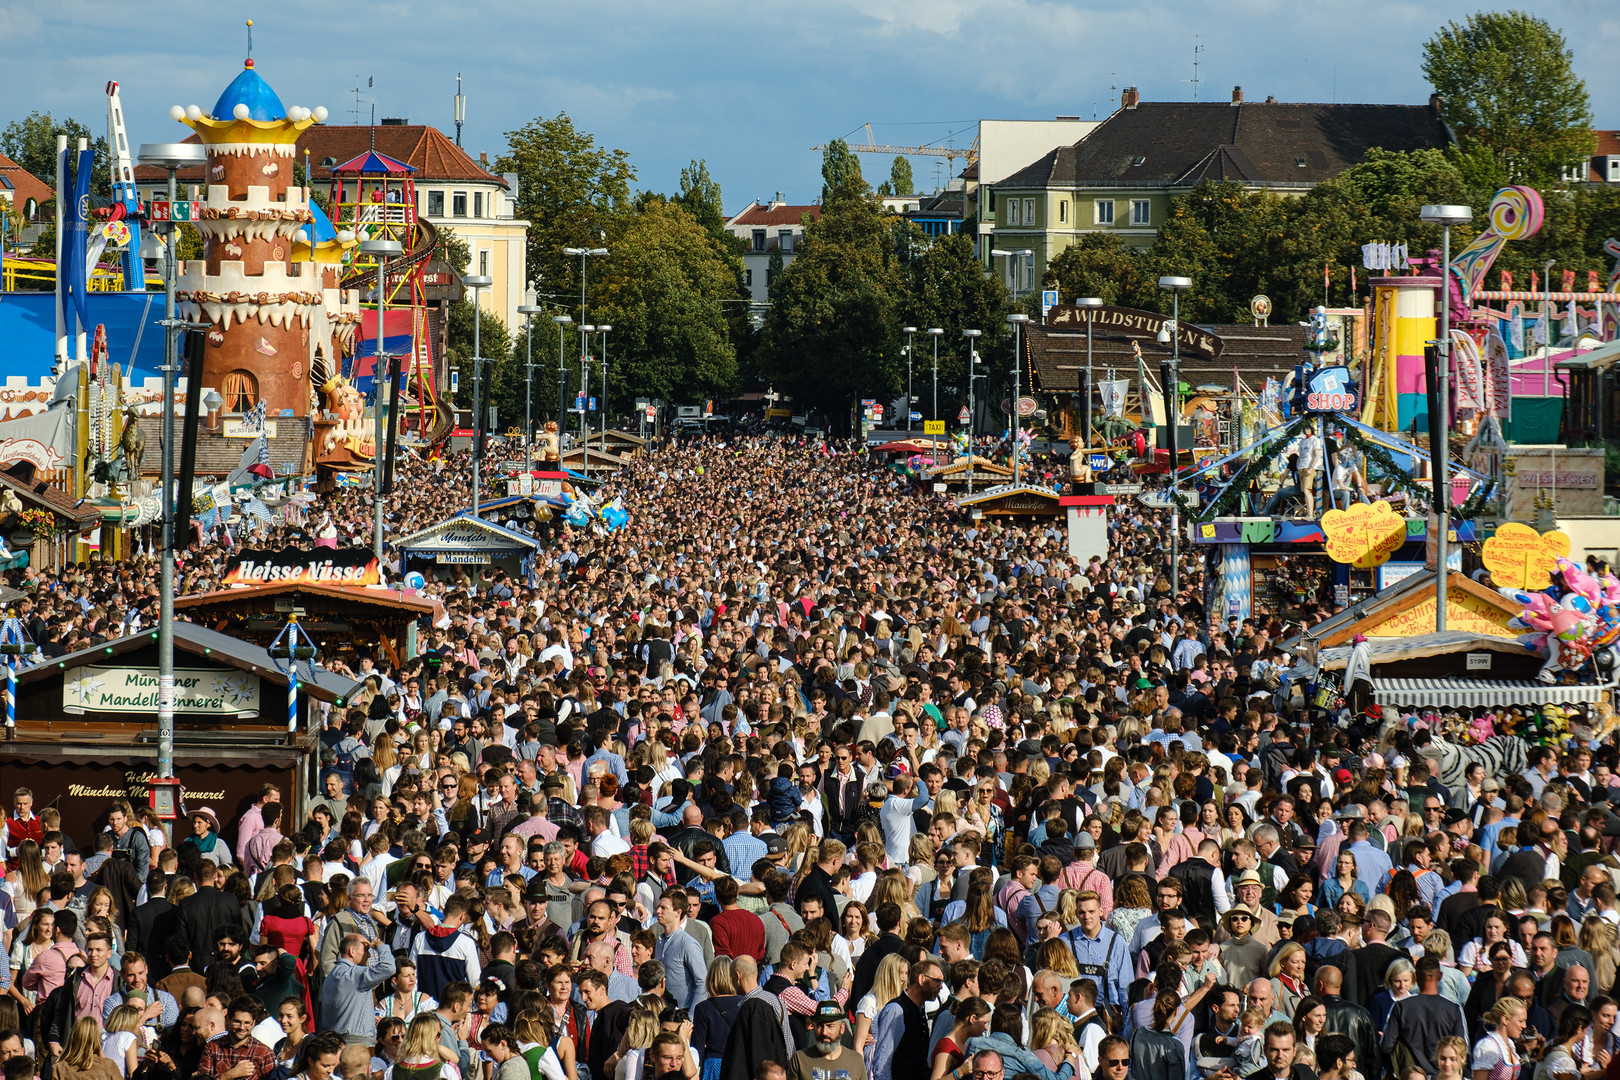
<point>700,197</point>
<point>832,334</point>
<point>571,192</point>
<point>945,287</point>
<point>900,181</point>
<point>1511,91</point>
<point>666,291</point>
<point>496,345</point>
<point>1098,264</point>
<point>31,143</point>
<point>841,174</point>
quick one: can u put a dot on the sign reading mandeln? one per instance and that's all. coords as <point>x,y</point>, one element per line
<point>135,690</point>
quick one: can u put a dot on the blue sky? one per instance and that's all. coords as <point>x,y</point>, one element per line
<point>748,87</point>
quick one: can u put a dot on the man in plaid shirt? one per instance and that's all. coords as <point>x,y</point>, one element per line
<point>237,1055</point>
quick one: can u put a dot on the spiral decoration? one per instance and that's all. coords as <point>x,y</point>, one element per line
<point>1515,213</point>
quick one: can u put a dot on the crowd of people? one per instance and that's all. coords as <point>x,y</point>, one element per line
<point>805,774</point>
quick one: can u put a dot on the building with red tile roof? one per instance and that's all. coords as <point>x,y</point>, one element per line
<point>21,188</point>
<point>767,228</point>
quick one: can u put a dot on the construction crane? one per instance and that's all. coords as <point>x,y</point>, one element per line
<point>949,153</point>
<point>122,167</point>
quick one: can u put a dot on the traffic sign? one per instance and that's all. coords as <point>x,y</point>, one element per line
<point>915,415</point>
<point>511,466</point>
<point>1099,462</point>
<point>962,417</point>
<point>652,413</point>
<point>933,427</point>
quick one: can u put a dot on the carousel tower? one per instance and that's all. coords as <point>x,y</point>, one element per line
<point>267,283</point>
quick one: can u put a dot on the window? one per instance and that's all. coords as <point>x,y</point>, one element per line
<point>748,278</point>
<point>240,390</point>
<point>1103,211</point>
<point>458,204</point>
<point>478,204</point>
<point>435,204</point>
<point>1012,211</point>
<point>767,277</point>
<point>784,239</point>
<point>1029,211</point>
<point>483,264</point>
<point>1141,212</point>
<point>1063,211</point>
<point>759,239</point>
<point>1614,168</point>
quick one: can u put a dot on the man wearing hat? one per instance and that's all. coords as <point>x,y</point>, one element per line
<point>826,1056</point>
<point>1243,957</point>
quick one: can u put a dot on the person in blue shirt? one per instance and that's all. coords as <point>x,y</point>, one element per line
<point>685,970</point>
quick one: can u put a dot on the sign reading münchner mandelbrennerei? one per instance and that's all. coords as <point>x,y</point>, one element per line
<point>135,690</point>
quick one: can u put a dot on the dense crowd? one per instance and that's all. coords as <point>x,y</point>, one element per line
<point>806,774</point>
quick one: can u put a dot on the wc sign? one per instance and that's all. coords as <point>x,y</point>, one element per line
<point>1330,389</point>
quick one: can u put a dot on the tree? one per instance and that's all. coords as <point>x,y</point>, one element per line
<point>832,336</point>
<point>503,384</point>
<point>31,143</point>
<point>700,197</point>
<point>1510,88</point>
<point>946,287</point>
<point>900,181</point>
<point>571,192</point>
<point>840,173</point>
<point>1098,264</point>
<point>666,291</point>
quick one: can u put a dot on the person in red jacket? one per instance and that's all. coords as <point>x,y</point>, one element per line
<point>737,932</point>
<point>21,824</point>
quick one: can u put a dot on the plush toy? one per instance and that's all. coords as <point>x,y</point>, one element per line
<point>1482,728</point>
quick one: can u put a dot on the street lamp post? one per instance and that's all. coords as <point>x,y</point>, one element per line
<point>935,332</point>
<point>171,157</point>
<point>1445,217</point>
<point>604,331</point>
<point>1088,304</point>
<point>585,332</point>
<point>583,254</point>
<point>973,376</point>
<point>1017,319</point>
<point>477,283</point>
<point>382,385</point>
<point>910,332</point>
<point>1172,408</point>
<point>528,311</point>
<point>562,378</point>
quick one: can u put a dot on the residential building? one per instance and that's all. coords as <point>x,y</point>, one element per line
<point>22,190</point>
<point>1006,146</point>
<point>1121,177</point>
<point>1605,163</point>
<point>767,229</point>
<point>452,190</point>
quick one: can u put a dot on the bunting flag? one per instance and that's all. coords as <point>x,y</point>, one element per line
<point>253,419</point>
<point>76,243</point>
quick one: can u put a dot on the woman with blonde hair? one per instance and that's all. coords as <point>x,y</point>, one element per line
<point>887,984</point>
<point>1598,937</point>
<point>1287,973</point>
<point>1132,904</point>
<point>41,936</point>
<point>82,1058</point>
<point>894,887</point>
<point>1496,1057</point>
<point>1057,955</point>
<point>1051,1036</point>
<point>419,1052</point>
<point>978,913</point>
<point>639,1033</point>
<point>541,1029</point>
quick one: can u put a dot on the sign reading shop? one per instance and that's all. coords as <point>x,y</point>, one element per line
<point>198,691</point>
<point>292,566</point>
<point>1135,323</point>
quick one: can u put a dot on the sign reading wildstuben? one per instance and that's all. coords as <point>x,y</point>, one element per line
<point>1134,323</point>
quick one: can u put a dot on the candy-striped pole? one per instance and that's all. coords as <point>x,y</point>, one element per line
<point>292,700</point>
<point>11,694</point>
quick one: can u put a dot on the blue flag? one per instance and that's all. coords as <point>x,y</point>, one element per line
<point>75,244</point>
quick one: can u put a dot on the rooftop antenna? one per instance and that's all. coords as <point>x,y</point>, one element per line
<point>1197,48</point>
<point>461,108</point>
<point>250,44</point>
<point>357,98</point>
<point>371,84</point>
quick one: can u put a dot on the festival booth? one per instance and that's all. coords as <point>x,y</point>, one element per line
<point>981,472</point>
<point>1013,500</point>
<point>85,729</point>
<point>620,443</point>
<point>345,622</point>
<point>591,460</point>
<point>464,540</point>
<point>40,524</point>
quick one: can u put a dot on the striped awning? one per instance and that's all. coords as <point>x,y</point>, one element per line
<point>1474,693</point>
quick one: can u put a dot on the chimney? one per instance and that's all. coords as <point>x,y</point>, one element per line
<point>1130,98</point>
<point>483,159</point>
<point>1237,95</point>
<point>780,200</point>
<point>1437,103</point>
<point>1271,99</point>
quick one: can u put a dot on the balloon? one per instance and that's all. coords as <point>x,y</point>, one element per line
<point>415,580</point>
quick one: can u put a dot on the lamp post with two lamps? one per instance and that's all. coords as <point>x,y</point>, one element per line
<point>604,331</point>
<point>1021,253</point>
<point>528,311</point>
<point>1172,409</point>
<point>910,332</point>
<point>562,378</point>
<point>477,283</point>
<point>935,332</point>
<point>1017,319</point>
<point>382,386</point>
<point>585,332</point>
<point>1088,304</point>
<point>171,157</point>
<point>973,376</point>
<point>1444,216</point>
<point>583,253</point>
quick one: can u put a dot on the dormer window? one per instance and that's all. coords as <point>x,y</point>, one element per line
<point>1299,162</point>
<point>1138,160</point>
